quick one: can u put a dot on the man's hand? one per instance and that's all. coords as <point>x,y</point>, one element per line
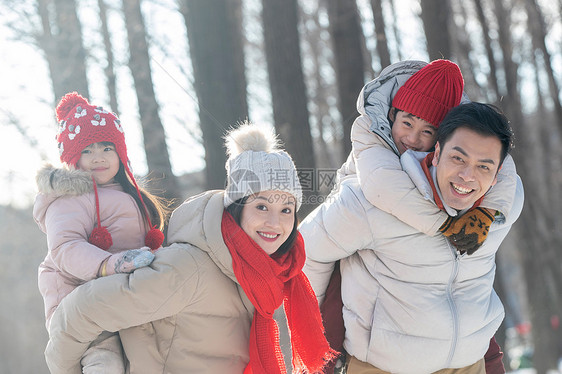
<point>468,232</point>
<point>126,262</point>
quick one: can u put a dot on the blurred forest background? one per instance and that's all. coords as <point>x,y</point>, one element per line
<point>180,72</point>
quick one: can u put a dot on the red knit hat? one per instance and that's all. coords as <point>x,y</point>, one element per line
<point>82,124</point>
<point>431,92</point>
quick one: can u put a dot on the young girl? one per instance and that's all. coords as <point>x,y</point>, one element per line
<point>207,302</point>
<point>97,220</point>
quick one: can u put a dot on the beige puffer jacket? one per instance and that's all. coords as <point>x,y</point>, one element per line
<point>65,209</point>
<point>191,315</point>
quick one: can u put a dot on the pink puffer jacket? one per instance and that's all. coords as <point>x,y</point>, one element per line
<point>65,209</point>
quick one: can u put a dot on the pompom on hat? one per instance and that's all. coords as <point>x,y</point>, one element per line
<point>431,92</point>
<point>256,163</point>
<point>82,124</point>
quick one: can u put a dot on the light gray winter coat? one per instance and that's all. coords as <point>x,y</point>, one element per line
<point>412,303</point>
<point>374,158</point>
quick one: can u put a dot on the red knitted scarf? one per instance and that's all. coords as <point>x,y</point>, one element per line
<point>269,281</point>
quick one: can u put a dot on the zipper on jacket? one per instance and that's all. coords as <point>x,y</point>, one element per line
<point>452,304</point>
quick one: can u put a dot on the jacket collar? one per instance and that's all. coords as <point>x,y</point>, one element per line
<point>63,181</point>
<point>198,222</point>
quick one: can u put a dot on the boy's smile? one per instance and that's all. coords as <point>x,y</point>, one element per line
<point>411,132</point>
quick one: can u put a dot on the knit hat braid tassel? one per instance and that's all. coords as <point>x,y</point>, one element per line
<point>100,237</point>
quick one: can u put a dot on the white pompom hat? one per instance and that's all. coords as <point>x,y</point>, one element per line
<point>257,163</point>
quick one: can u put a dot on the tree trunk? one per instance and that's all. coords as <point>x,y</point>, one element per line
<point>345,29</point>
<point>541,108</point>
<point>321,91</point>
<point>380,32</point>
<point>536,24</point>
<point>155,146</point>
<point>217,55</point>
<point>489,51</point>
<point>288,91</point>
<point>108,70</point>
<point>533,221</point>
<point>395,30</point>
<point>366,53</point>
<point>61,40</point>
<point>461,46</point>
<point>435,15</point>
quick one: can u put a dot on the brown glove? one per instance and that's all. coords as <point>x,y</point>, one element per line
<point>468,232</point>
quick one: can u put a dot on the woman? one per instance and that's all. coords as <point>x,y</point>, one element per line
<point>206,303</point>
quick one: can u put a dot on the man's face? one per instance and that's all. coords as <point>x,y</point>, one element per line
<point>467,166</point>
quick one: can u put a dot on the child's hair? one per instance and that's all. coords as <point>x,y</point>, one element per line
<point>235,210</point>
<point>395,112</point>
<point>157,207</point>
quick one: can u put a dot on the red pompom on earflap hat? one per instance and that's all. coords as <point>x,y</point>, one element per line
<point>82,124</point>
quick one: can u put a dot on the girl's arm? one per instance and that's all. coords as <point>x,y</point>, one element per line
<point>118,302</point>
<point>68,222</point>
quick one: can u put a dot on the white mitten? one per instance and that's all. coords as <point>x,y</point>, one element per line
<point>126,262</point>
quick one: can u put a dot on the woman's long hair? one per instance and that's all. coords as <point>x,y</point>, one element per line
<point>235,210</point>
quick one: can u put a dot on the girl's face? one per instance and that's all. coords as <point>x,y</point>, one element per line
<point>411,132</point>
<point>268,218</point>
<point>101,160</point>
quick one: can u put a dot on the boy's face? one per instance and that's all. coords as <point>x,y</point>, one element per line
<point>411,132</point>
<point>467,166</point>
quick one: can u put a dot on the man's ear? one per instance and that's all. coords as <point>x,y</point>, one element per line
<point>436,154</point>
<point>496,177</point>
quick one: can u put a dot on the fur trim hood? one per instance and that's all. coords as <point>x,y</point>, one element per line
<point>57,182</point>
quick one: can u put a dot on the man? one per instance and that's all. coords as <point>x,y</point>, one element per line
<point>413,303</point>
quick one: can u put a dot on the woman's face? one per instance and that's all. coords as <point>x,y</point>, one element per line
<point>268,218</point>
